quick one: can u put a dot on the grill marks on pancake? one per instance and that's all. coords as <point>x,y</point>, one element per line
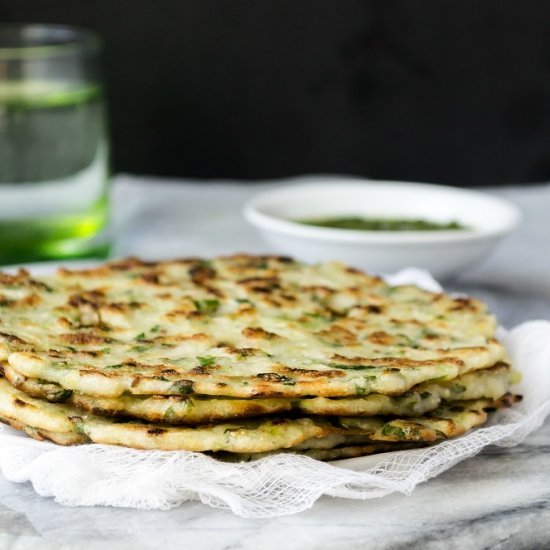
<point>258,333</point>
<point>338,336</point>
<point>83,338</point>
<point>14,341</point>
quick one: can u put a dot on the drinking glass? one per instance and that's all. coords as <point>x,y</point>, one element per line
<point>53,144</point>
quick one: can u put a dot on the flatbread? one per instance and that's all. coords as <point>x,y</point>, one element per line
<point>325,453</point>
<point>242,326</point>
<point>195,409</point>
<point>246,436</point>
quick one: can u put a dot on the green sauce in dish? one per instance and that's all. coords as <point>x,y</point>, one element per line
<point>384,224</point>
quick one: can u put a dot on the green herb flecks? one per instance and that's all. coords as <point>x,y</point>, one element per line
<point>206,361</point>
<point>207,306</point>
<point>389,430</point>
<point>183,387</point>
<point>140,349</point>
<point>351,367</point>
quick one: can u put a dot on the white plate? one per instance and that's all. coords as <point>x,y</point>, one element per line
<point>443,253</point>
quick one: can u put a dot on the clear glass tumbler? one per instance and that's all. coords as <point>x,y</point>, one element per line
<point>54,147</point>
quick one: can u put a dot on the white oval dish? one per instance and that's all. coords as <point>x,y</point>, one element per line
<point>443,253</point>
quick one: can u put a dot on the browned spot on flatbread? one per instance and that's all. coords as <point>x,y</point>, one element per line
<point>395,361</point>
<point>150,278</point>
<point>168,372</point>
<point>243,352</point>
<point>318,291</point>
<point>274,377</point>
<point>63,322</point>
<point>12,339</point>
<point>22,276</point>
<point>6,302</point>
<point>92,298</point>
<point>201,274</point>
<point>83,338</point>
<point>259,333</point>
<point>338,335</point>
<point>156,431</point>
<point>19,403</point>
<point>200,371</point>
<point>464,304</point>
<point>311,373</point>
<point>121,307</point>
<point>381,337</point>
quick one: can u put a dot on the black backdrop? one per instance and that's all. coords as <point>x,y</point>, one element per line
<point>436,90</point>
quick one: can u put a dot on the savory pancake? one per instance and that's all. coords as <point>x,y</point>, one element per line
<point>489,383</point>
<point>245,436</point>
<point>242,326</point>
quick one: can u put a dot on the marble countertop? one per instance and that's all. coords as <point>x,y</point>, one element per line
<point>498,499</point>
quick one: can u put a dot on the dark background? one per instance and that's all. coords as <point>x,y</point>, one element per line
<point>430,90</point>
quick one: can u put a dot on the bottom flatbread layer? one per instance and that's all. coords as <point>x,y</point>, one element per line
<point>325,453</point>
<point>339,452</point>
<point>247,436</point>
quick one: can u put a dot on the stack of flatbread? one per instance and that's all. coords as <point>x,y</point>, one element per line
<point>243,356</point>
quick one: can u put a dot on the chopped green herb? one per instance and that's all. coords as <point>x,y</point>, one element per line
<point>155,329</point>
<point>170,413</point>
<point>140,349</point>
<point>141,336</point>
<point>207,306</point>
<point>394,431</point>
<point>458,388</point>
<point>60,396</point>
<point>350,367</point>
<point>183,387</point>
<point>245,301</point>
<point>274,377</point>
<point>206,361</point>
<point>79,428</point>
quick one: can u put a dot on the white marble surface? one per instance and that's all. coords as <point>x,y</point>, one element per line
<point>499,499</point>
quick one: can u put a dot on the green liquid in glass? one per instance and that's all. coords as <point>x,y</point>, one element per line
<point>53,172</point>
